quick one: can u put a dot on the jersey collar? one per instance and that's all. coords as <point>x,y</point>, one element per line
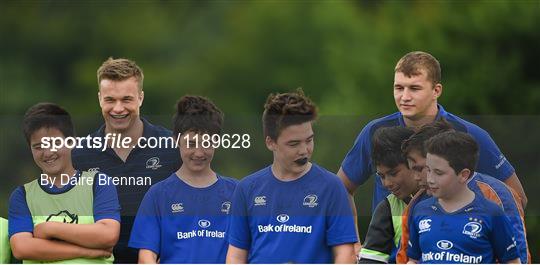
<point>441,113</point>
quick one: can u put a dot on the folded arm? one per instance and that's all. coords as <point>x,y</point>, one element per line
<point>102,234</point>
<point>26,247</point>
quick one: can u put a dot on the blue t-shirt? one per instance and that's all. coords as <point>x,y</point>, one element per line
<point>105,204</point>
<point>359,167</point>
<point>477,233</point>
<point>183,224</point>
<point>296,221</point>
<point>141,164</point>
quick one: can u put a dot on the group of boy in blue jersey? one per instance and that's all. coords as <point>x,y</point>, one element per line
<point>292,211</point>
<point>480,230</point>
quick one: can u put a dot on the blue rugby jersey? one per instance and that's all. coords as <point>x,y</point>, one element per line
<point>477,233</point>
<point>495,191</point>
<point>184,224</point>
<point>297,221</point>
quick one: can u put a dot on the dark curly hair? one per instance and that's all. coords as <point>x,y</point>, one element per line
<point>197,114</point>
<point>285,109</point>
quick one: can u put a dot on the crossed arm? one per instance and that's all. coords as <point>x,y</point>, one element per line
<point>59,241</point>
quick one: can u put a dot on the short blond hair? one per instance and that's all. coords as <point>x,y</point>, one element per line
<point>120,69</point>
<point>413,63</point>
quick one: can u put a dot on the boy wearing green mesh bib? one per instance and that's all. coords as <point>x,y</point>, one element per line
<point>63,216</point>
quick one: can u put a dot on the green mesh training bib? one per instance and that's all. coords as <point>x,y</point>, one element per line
<point>73,206</point>
<point>5,250</point>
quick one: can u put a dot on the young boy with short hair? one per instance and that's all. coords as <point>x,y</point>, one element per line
<point>292,211</point>
<point>484,185</point>
<point>65,215</point>
<point>384,231</point>
<point>184,218</point>
<point>457,225</point>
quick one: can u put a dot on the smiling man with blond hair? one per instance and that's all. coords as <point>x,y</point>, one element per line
<point>121,96</point>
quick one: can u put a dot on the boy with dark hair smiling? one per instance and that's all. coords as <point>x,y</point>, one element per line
<point>70,221</point>
<point>384,231</point>
<point>184,218</point>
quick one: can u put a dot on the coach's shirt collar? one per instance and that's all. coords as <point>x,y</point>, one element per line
<point>441,113</point>
<point>149,130</point>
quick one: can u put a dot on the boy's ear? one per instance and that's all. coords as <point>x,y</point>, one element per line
<point>464,175</point>
<point>270,143</point>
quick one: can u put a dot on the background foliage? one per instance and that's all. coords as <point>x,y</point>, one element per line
<point>237,52</point>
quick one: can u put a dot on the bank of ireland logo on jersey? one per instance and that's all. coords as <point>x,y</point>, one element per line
<point>153,163</point>
<point>310,201</point>
<point>226,207</point>
<point>424,225</point>
<point>204,223</point>
<point>445,244</point>
<point>260,201</point>
<point>177,207</point>
<point>282,218</point>
<point>473,229</point>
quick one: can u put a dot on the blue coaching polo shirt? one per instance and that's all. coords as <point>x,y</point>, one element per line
<point>142,164</point>
<point>295,221</point>
<point>359,167</point>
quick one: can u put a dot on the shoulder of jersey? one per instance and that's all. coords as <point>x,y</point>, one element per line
<point>425,206</point>
<point>388,120</point>
<point>489,180</point>
<point>229,180</point>
<point>163,184</point>
<point>255,175</point>
<point>488,207</point>
<point>325,173</point>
